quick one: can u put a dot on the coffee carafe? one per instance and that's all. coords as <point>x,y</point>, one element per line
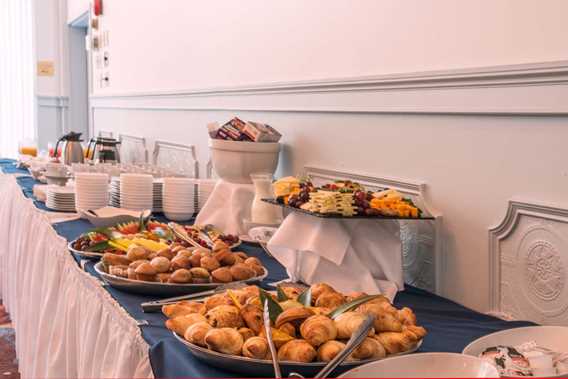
<point>72,152</point>
<point>103,150</point>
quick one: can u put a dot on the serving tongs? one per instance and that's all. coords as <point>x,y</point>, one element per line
<point>352,344</point>
<point>156,306</point>
<point>268,332</point>
<point>180,232</point>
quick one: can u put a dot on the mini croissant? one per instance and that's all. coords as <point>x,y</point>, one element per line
<point>183,308</point>
<point>181,323</point>
<point>318,329</point>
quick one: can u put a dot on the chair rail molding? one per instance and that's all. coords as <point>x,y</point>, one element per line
<point>422,241</point>
<point>528,264</point>
<point>534,89</point>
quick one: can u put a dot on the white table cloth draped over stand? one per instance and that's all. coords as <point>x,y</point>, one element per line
<point>66,324</point>
<point>351,255</point>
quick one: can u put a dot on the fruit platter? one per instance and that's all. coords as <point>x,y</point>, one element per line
<point>309,328</point>
<point>205,236</point>
<point>343,199</point>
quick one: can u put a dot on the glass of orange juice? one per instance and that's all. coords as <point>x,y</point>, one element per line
<point>28,147</point>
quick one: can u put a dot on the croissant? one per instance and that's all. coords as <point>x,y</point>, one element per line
<point>395,342</point>
<point>196,333</point>
<point>348,322</point>
<point>252,315</point>
<point>297,351</point>
<point>256,347</point>
<point>216,300</point>
<point>246,333</point>
<point>181,323</point>
<point>292,293</point>
<point>279,337</point>
<point>293,315</point>
<point>387,322</point>
<point>416,332</point>
<point>288,328</point>
<point>224,316</point>
<point>250,291</point>
<point>406,316</point>
<point>329,350</point>
<point>183,308</point>
<point>224,340</point>
<point>330,300</point>
<point>318,329</point>
<point>319,288</point>
<point>369,348</point>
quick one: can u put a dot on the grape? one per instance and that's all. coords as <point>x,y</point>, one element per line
<point>371,212</point>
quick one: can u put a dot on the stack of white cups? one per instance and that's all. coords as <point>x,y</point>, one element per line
<point>91,190</point>
<point>136,191</point>
<point>179,198</point>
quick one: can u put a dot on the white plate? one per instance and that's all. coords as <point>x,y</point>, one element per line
<point>550,337</point>
<point>425,365</point>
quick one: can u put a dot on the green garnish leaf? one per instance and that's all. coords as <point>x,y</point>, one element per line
<point>105,231</point>
<point>141,223</point>
<point>281,294</point>
<point>305,297</point>
<point>351,305</point>
<point>100,246</point>
<point>274,309</point>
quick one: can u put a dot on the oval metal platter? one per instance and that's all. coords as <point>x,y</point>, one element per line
<point>263,368</point>
<point>163,289</point>
<point>83,254</point>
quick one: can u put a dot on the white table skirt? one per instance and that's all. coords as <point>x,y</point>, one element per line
<point>66,324</point>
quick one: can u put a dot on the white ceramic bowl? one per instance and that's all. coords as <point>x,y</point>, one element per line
<point>234,161</point>
<point>425,365</point>
<point>551,337</point>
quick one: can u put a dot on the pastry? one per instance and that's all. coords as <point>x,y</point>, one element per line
<point>180,262</point>
<point>295,316</point>
<point>216,300</point>
<point>224,316</point>
<point>252,316</point>
<point>289,329</point>
<point>183,308</point>
<point>121,271</point>
<point>387,322</point>
<point>347,323</point>
<point>246,333</point>
<point>396,342</point>
<point>219,245</point>
<point>330,300</point>
<point>224,340</point>
<point>181,323</point>
<point>256,347</point>
<point>161,264</point>
<point>406,316</point>
<point>164,277</point>
<point>184,253</point>
<point>146,272</point>
<point>137,263</point>
<point>166,253</point>
<point>181,276</point>
<point>195,259</point>
<point>110,259</point>
<point>329,350</point>
<point>241,271</point>
<point>200,275</point>
<point>222,275</point>
<point>136,252</point>
<point>369,348</point>
<point>209,263</point>
<point>320,288</point>
<point>196,333</point>
<point>318,329</point>
<point>297,351</point>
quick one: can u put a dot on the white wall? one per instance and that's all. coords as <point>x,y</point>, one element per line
<point>75,9</point>
<point>473,161</point>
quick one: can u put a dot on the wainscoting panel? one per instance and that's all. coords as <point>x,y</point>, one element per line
<point>53,118</point>
<point>529,263</point>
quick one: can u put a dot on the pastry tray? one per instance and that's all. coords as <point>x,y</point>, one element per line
<point>356,217</point>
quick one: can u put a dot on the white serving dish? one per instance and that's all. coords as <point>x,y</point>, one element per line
<point>235,161</point>
<point>110,216</point>
<point>425,365</point>
<point>551,337</point>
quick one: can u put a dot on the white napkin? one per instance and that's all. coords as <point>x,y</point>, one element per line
<point>350,255</point>
<point>228,207</point>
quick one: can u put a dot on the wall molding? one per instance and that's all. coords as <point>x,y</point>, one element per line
<point>528,265</point>
<point>422,241</point>
<point>521,89</point>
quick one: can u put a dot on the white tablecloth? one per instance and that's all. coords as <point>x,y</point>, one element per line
<point>66,324</point>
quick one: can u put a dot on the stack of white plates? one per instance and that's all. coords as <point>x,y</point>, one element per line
<point>114,199</point>
<point>60,198</point>
<point>136,191</point>
<point>179,198</point>
<point>204,189</point>
<point>91,190</point>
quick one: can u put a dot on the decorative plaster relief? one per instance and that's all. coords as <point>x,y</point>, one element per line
<point>529,263</point>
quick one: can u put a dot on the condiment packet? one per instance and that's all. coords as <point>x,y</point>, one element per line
<point>238,130</point>
<point>261,132</point>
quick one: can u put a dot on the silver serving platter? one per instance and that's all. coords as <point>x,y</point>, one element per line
<point>83,254</point>
<point>162,289</point>
<point>251,367</point>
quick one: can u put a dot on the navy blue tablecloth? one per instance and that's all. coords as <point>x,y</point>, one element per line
<point>450,326</point>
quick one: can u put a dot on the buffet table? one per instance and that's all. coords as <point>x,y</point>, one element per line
<point>69,325</point>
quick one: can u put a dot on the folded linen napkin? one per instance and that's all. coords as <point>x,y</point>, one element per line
<point>227,207</point>
<point>351,255</point>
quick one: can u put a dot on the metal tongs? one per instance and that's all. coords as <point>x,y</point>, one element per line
<point>181,233</point>
<point>156,306</point>
<point>352,344</point>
